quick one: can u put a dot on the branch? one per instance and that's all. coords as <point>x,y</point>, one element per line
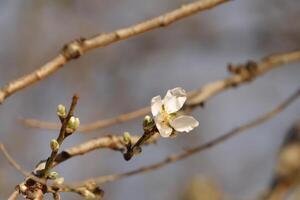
<point>241,74</point>
<point>62,135</point>
<point>14,195</point>
<point>189,152</point>
<point>12,161</point>
<point>14,164</point>
<point>110,142</point>
<point>79,47</point>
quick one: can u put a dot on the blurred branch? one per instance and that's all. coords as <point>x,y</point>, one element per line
<point>75,49</point>
<point>14,195</point>
<point>92,126</point>
<point>286,172</point>
<point>12,161</point>
<point>14,164</point>
<point>191,151</point>
<point>241,73</point>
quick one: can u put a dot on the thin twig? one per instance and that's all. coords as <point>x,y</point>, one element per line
<point>196,97</point>
<point>180,156</point>
<point>62,134</point>
<point>79,47</point>
<point>12,162</point>
<point>15,165</point>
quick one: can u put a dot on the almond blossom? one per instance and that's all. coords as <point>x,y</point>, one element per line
<point>165,113</point>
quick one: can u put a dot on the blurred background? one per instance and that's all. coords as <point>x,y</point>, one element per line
<point>126,75</point>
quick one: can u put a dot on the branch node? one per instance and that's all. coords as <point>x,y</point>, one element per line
<point>247,71</point>
<point>74,49</point>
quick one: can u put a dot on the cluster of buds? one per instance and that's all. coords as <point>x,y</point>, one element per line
<point>73,123</point>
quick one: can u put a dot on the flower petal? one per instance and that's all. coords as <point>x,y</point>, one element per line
<point>174,100</point>
<point>156,105</point>
<point>184,123</point>
<point>164,129</point>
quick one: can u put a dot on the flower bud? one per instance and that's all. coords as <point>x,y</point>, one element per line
<point>52,175</point>
<point>73,124</point>
<point>61,111</point>
<point>54,145</point>
<point>148,122</point>
<point>127,137</point>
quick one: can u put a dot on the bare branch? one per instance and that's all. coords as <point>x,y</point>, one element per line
<point>180,156</point>
<point>240,74</point>
<point>12,162</point>
<point>79,47</point>
<point>109,142</point>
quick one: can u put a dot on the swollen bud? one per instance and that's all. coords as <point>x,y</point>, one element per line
<point>73,124</point>
<point>52,175</point>
<point>61,111</point>
<point>148,122</point>
<point>54,145</point>
<point>127,137</point>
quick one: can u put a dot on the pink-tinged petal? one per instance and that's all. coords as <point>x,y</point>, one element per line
<point>184,123</point>
<point>156,105</point>
<point>164,129</point>
<point>174,100</point>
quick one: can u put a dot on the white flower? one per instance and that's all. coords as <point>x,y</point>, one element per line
<point>165,116</point>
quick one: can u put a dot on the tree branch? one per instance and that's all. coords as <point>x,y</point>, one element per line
<point>242,73</point>
<point>79,47</point>
<point>109,142</point>
<point>12,161</point>
<point>189,152</point>
<point>62,135</point>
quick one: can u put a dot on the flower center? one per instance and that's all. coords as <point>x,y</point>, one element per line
<point>166,118</point>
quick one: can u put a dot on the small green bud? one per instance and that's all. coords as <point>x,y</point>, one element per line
<point>148,122</point>
<point>61,111</point>
<point>73,124</point>
<point>59,180</point>
<point>127,137</point>
<point>52,175</point>
<point>54,145</point>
